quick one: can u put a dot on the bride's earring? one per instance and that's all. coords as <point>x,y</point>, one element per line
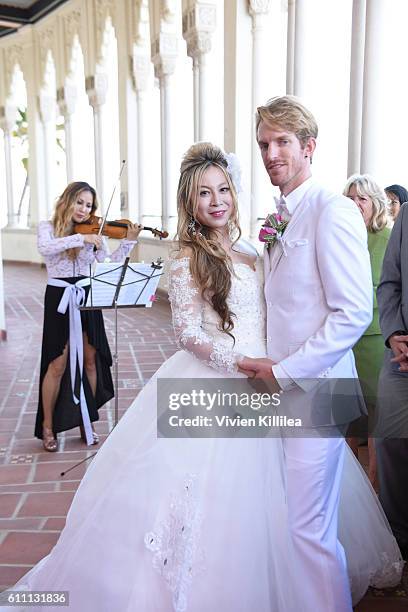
<point>192,227</point>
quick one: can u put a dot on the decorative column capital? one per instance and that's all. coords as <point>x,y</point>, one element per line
<point>199,22</point>
<point>66,99</point>
<point>96,88</point>
<point>13,55</point>
<point>45,39</point>
<point>259,7</point>
<point>141,64</point>
<point>46,106</point>
<point>8,115</point>
<point>164,54</point>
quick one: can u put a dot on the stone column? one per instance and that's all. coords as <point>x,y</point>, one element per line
<point>356,86</point>
<point>164,53</point>
<point>47,106</point>
<point>299,74</point>
<point>7,122</point>
<point>141,73</point>
<point>96,88</point>
<point>373,88</point>
<point>36,166</point>
<point>66,99</point>
<point>199,20</point>
<point>290,47</point>
<point>258,9</point>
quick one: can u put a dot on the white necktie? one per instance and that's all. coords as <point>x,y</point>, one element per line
<point>282,209</point>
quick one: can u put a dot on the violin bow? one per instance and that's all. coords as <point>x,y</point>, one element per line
<point>111,198</point>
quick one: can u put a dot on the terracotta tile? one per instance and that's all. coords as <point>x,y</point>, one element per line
<point>46,504</point>
<point>51,471</point>
<point>14,473</point>
<point>8,504</point>
<point>26,547</point>
<point>10,574</point>
<point>54,524</point>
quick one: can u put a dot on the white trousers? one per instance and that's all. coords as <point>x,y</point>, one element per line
<point>314,469</point>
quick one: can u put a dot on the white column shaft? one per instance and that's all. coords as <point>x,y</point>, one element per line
<point>299,74</point>
<point>196,98</point>
<point>203,108</point>
<point>49,165</point>
<point>290,48</point>
<point>257,205</point>
<point>69,146</point>
<point>169,209</point>
<point>356,86</point>
<point>11,214</point>
<point>373,94</point>
<point>99,158</point>
<point>141,156</point>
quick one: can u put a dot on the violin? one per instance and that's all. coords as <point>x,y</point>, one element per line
<point>112,229</point>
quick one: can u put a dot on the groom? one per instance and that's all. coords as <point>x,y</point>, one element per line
<point>319,302</point>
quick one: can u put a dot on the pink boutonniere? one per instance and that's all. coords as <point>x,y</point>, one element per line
<point>272,229</point>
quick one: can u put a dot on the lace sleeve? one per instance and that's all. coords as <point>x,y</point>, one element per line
<point>187,308</point>
<point>49,245</point>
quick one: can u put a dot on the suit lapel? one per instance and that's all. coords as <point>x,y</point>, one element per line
<point>276,252</point>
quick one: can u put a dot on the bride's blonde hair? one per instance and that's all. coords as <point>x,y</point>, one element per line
<point>210,264</point>
<point>64,209</point>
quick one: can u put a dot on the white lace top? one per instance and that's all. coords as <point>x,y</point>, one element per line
<point>59,265</point>
<point>196,323</point>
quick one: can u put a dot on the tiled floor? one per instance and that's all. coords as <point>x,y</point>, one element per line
<point>34,498</point>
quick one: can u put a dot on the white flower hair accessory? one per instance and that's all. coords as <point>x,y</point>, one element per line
<point>234,170</point>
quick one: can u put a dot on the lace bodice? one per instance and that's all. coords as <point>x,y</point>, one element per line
<point>59,265</point>
<point>196,323</point>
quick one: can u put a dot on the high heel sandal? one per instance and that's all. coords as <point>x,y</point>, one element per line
<point>50,444</point>
<point>94,435</point>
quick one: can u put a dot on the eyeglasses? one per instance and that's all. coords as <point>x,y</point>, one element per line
<point>393,202</point>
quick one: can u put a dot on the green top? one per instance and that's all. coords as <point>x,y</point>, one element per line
<point>377,243</point>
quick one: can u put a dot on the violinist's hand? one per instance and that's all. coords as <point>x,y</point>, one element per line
<point>93,239</point>
<point>134,230</point>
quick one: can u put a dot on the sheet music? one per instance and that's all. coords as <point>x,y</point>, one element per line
<point>138,286</point>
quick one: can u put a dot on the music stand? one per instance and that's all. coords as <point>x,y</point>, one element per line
<point>114,286</point>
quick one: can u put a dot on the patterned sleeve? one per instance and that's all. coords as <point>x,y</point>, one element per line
<point>49,245</point>
<point>187,309</point>
<point>118,254</point>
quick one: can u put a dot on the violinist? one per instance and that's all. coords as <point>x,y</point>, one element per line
<point>71,396</point>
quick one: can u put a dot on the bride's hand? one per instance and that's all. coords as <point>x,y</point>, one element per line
<point>245,366</point>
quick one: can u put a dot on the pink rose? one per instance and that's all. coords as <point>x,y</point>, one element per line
<point>266,233</point>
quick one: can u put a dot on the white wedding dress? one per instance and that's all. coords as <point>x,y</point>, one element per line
<point>199,525</point>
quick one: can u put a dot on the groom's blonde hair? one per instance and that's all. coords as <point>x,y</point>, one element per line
<point>288,113</point>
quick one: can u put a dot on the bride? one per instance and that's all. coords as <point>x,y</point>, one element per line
<point>199,524</point>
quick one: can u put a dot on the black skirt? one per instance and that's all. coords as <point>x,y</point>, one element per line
<point>67,414</point>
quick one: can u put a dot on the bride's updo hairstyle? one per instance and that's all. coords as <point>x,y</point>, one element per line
<point>210,265</point>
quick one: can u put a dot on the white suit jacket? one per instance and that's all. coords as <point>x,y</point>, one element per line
<point>318,289</point>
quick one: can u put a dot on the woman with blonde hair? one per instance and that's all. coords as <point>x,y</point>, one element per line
<point>68,256</point>
<point>199,521</point>
<point>369,350</point>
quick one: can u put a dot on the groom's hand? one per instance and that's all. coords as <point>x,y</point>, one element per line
<point>256,368</point>
<point>260,370</point>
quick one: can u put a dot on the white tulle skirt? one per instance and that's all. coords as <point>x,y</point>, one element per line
<point>197,525</point>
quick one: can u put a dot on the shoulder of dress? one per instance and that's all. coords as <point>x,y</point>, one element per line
<point>45,226</point>
<point>179,262</point>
